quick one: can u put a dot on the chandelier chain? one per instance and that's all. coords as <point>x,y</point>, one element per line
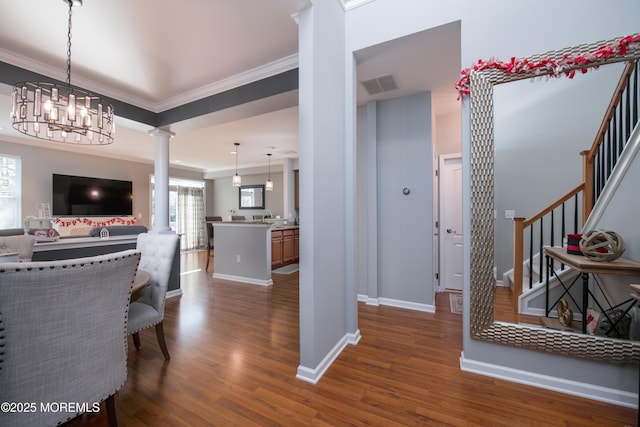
<point>69,45</point>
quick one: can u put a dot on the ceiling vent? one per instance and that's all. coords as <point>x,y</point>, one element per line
<point>380,84</point>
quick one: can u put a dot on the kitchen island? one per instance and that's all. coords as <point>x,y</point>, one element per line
<point>246,251</point>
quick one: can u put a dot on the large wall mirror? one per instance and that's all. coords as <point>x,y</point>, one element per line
<point>251,197</point>
<point>482,244</point>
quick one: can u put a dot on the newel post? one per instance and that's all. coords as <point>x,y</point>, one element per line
<point>518,244</point>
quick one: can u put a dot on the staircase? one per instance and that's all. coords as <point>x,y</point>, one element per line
<point>618,133</point>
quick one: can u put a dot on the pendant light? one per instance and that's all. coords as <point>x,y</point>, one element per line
<point>59,112</point>
<point>237,180</point>
<point>269,184</point>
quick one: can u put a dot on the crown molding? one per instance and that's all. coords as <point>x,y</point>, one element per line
<point>267,70</point>
<point>352,4</point>
<point>60,73</point>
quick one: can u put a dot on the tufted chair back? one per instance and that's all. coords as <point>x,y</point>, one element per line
<point>23,245</point>
<point>63,333</point>
<point>157,251</point>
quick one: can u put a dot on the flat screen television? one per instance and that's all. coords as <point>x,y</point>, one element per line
<point>84,196</point>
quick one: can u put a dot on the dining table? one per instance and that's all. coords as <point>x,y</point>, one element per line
<point>9,257</point>
<point>140,281</point>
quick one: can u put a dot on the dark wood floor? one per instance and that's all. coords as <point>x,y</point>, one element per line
<point>234,351</point>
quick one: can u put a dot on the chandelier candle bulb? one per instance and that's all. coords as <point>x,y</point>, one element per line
<point>37,102</point>
<point>71,108</point>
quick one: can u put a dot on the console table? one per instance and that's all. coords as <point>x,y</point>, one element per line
<point>585,266</point>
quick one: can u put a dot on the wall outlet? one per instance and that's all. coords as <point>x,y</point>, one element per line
<point>237,258</point>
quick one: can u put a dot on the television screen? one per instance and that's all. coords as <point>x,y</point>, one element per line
<point>84,196</point>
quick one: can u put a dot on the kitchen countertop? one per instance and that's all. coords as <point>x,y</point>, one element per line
<point>255,224</point>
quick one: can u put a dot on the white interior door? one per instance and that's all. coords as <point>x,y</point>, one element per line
<point>451,243</point>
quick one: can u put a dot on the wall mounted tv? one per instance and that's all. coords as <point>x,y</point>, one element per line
<point>84,196</point>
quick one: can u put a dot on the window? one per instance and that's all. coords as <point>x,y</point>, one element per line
<point>186,212</point>
<point>10,192</point>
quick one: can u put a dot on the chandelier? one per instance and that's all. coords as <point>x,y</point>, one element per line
<point>237,179</point>
<point>62,113</point>
<point>269,184</point>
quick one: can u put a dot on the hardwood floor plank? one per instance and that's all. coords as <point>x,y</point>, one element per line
<point>235,353</point>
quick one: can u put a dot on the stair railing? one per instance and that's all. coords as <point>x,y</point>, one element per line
<point>614,132</point>
<point>562,215</point>
<point>598,162</point>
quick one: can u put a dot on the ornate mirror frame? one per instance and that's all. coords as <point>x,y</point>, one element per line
<point>482,325</point>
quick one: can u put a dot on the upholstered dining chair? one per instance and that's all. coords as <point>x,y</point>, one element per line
<point>209,225</point>
<point>157,251</point>
<point>209,243</point>
<point>22,244</point>
<point>63,336</point>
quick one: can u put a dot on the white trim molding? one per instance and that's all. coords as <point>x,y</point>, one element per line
<point>347,5</point>
<point>173,293</point>
<point>249,280</point>
<point>313,375</point>
<point>574,388</point>
<point>408,305</point>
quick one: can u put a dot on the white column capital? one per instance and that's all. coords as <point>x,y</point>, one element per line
<point>157,132</point>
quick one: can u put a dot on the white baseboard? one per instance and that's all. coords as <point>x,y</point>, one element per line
<point>243,279</point>
<point>367,300</point>
<point>409,305</point>
<point>428,308</point>
<point>313,375</point>
<point>574,388</point>
<point>173,293</point>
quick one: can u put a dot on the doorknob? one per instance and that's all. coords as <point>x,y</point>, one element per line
<point>450,231</point>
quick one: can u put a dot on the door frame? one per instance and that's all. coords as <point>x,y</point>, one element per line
<point>441,255</point>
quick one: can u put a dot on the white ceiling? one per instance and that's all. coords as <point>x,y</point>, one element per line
<point>159,54</point>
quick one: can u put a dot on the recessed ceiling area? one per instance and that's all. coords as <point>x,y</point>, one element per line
<point>158,55</point>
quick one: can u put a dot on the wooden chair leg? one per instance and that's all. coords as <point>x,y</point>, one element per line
<point>112,412</point>
<point>208,259</point>
<point>136,340</point>
<point>161,341</point>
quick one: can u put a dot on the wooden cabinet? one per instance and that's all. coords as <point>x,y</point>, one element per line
<point>276,249</point>
<point>296,244</point>
<point>288,247</point>
<point>284,247</point>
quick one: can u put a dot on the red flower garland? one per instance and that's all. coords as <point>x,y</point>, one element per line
<point>546,66</point>
<point>86,221</point>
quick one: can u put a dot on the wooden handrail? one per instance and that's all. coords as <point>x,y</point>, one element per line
<point>613,103</point>
<point>561,200</point>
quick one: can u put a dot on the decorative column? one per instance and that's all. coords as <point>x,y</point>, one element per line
<point>161,174</point>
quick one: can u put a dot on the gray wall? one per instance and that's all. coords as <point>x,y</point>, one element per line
<point>251,243</point>
<point>38,165</point>
<point>403,158</point>
<point>225,196</point>
<point>498,29</point>
<point>327,301</point>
